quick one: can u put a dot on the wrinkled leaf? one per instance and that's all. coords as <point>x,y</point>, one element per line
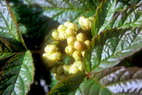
<point>117,13</point>
<point>17,75</point>
<point>67,85</point>
<point>114,81</point>
<point>68,10</point>
<point>111,46</point>
<point>7,25</point>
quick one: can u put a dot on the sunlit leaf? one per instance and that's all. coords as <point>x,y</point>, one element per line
<point>115,14</point>
<point>111,46</point>
<point>17,75</point>
<point>114,81</point>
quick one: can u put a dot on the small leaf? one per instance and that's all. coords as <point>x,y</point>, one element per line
<point>17,75</point>
<point>68,85</point>
<point>113,81</point>
<point>111,46</point>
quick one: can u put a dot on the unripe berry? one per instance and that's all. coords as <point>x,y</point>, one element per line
<point>62,33</point>
<point>77,55</point>
<point>62,76</point>
<point>55,34</point>
<point>66,69</point>
<point>69,49</point>
<point>79,45</point>
<point>51,49</point>
<point>57,76</point>
<point>70,32</point>
<point>87,43</point>
<point>73,69</point>
<point>61,28</point>
<point>71,40</point>
<point>54,69</point>
<point>79,65</point>
<point>60,70</point>
<point>81,37</point>
<point>85,23</point>
<point>83,53</point>
<point>52,58</point>
<point>70,25</point>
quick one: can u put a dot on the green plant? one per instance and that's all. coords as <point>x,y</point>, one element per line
<point>95,56</point>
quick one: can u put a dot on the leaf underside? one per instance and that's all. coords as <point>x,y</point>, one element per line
<point>113,81</point>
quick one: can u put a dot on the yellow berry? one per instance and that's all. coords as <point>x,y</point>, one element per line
<point>61,28</point>
<point>83,53</point>
<point>85,23</point>
<point>71,40</point>
<point>73,69</point>
<point>79,45</point>
<point>77,55</point>
<point>79,65</point>
<point>70,32</point>
<point>52,58</point>
<point>87,43</point>
<point>70,25</point>
<point>51,49</point>
<point>66,69</point>
<point>55,34</point>
<point>81,37</point>
<point>69,49</point>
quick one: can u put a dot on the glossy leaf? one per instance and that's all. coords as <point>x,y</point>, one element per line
<point>117,14</point>
<point>111,46</point>
<point>8,29</point>
<point>67,85</point>
<point>113,81</point>
<point>17,75</point>
<point>68,10</point>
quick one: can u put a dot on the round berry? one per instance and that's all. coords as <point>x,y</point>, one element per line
<point>77,55</point>
<point>69,49</point>
<point>79,45</point>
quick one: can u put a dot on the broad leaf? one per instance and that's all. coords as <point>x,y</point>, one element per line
<point>111,46</point>
<point>68,10</point>
<point>68,85</point>
<point>8,25</point>
<point>113,15</point>
<point>17,75</point>
<point>114,81</point>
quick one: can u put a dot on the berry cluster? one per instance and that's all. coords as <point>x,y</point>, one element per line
<point>69,40</point>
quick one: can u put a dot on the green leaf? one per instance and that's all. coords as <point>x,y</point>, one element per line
<point>111,46</point>
<point>113,81</point>
<point>67,85</point>
<point>17,75</point>
<point>68,10</point>
<point>8,25</point>
<point>117,14</point>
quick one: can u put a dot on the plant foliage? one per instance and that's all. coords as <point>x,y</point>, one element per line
<point>116,32</point>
